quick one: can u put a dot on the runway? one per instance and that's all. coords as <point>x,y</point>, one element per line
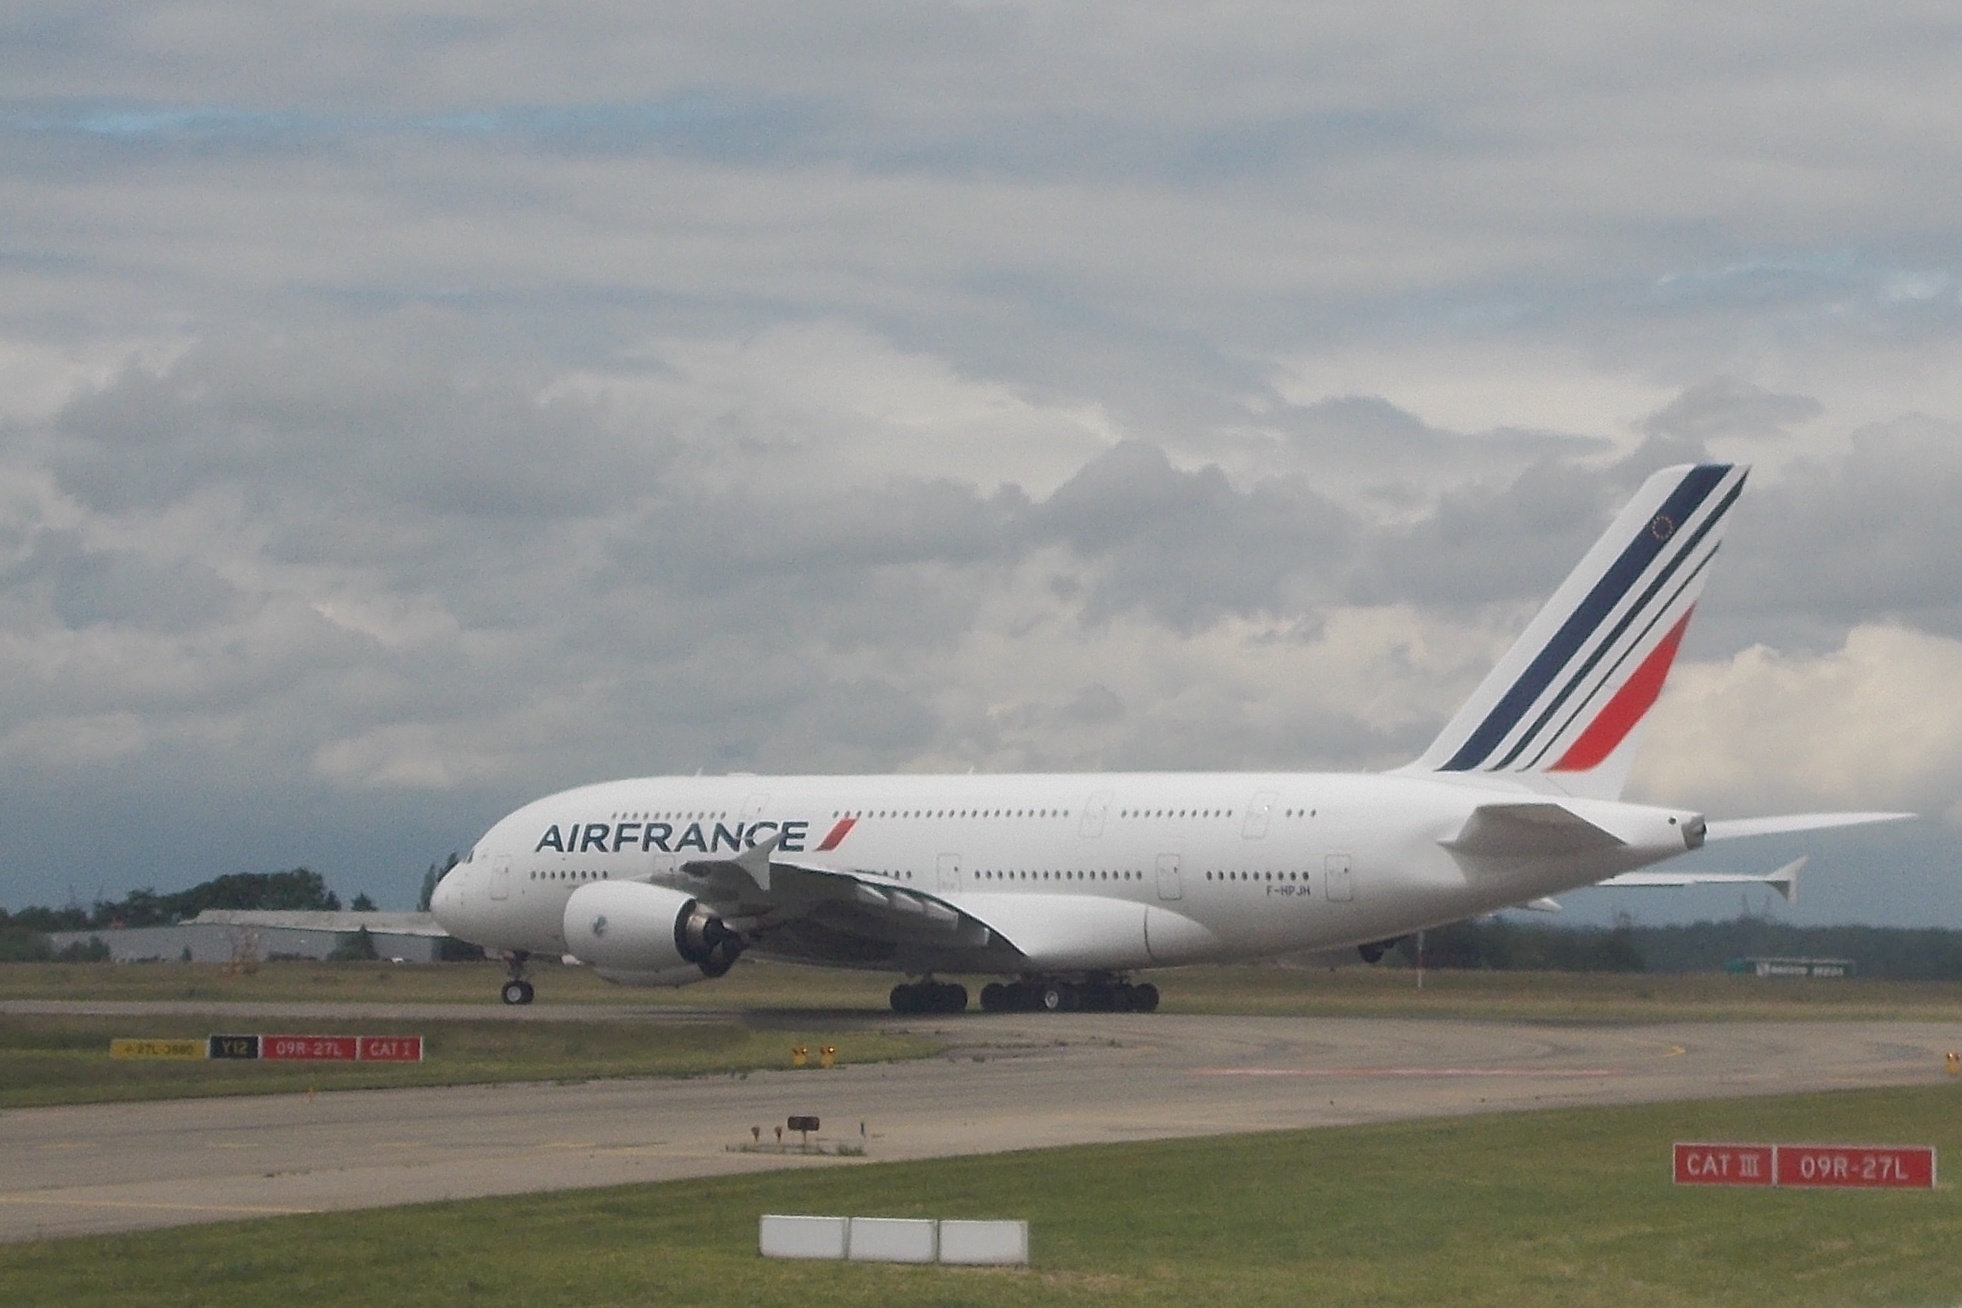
<point>1007,1082</point>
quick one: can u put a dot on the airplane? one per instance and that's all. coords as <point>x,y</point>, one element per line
<point>1064,885</point>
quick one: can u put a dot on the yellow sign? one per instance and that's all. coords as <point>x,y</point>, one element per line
<point>156,1049</point>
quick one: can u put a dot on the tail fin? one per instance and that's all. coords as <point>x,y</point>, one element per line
<point>1564,704</point>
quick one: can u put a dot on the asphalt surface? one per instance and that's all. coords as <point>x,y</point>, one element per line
<point>1008,1082</point>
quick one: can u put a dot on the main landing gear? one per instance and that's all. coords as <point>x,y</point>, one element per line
<point>517,990</point>
<point>929,996</point>
<point>1098,995</point>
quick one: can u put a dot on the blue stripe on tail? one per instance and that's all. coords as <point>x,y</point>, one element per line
<point>1585,619</point>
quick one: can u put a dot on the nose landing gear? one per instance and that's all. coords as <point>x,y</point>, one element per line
<point>518,989</point>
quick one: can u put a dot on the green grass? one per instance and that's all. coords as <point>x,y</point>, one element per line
<point>65,1060</point>
<point>753,984</point>
<point>1277,991</point>
<point>1570,1209</point>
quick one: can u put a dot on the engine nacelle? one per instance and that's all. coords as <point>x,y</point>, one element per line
<point>648,935</point>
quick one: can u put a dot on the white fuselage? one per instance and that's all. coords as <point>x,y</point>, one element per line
<point>1235,865</point>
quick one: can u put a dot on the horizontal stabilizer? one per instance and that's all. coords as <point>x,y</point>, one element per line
<point>1544,904</point>
<point>1784,880</point>
<point>1737,828</point>
<point>1527,830</point>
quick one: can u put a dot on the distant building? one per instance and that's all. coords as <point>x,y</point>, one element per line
<point>221,935</point>
<point>1835,968</point>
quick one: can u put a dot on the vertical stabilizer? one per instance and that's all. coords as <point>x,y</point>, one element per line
<point>1566,704</point>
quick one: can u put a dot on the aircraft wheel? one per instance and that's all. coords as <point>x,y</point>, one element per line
<point>517,992</point>
<point>995,998</point>
<point>1058,997</point>
<point>953,999</point>
<point>1099,998</point>
<point>1144,998</point>
<point>907,999</point>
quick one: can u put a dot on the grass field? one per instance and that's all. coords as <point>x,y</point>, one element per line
<point>1569,1209</point>
<point>65,1060</point>
<point>1279,991</point>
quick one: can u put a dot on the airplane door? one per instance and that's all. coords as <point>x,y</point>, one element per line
<point>1259,809</point>
<point>1168,876</point>
<point>1094,810</point>
<point>950,872</point>
<point>1336,881</point>
<point>501,877</point>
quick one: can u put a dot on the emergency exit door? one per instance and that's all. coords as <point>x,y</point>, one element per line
<point>1168,876</point>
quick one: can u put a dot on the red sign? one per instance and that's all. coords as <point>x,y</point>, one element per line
<point>1725,1164</point>
<point>1890,1167</point>
<point>337,1049</point>
<point>390,1049</point>
<point>1893,1167</point>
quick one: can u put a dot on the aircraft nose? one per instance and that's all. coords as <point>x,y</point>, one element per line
<point>447,898</point>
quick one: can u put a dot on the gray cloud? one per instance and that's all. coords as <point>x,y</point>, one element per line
<point>406,414</point>
<point>1725,406</point>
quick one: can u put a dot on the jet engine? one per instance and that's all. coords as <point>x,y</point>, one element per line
<point>639,934</point>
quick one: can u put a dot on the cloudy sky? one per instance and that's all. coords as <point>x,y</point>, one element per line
<point>406,410</point>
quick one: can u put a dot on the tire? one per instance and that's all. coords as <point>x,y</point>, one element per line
<point>906,999</point>
<point>953,999</point>
<point>515,992</point>
<point>1057,997</point>
<point>1144,998</point>
<point>995,998</point>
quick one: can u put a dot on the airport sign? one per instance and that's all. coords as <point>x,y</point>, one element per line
<point>1724,1164</point>
<point>1808,1166</point>
<point>278,1048</point>
<point>1865,1167</point>
<point>389,1049</point>
<point>170,1049</point>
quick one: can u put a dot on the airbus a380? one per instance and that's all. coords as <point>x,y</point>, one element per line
<point>1066,884</point>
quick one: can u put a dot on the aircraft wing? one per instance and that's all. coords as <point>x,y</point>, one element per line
<point>819,913</point>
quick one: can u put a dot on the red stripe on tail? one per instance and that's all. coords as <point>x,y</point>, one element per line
<point>1635,698</point>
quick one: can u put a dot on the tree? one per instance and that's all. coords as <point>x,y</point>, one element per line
<point>356,948</point>
<point>362,904</point>
<point>431,879</point>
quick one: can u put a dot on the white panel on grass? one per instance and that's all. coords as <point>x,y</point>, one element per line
<point>892,1240</point>
<point>996,1243</point>
<point>803,1237</point>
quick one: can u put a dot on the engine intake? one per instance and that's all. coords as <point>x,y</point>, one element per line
<point>652,935</point>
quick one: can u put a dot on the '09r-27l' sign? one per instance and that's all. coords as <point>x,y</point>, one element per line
<point>1861,1167</point>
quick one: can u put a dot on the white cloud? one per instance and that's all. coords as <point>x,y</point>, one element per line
<point>1876,723</point>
